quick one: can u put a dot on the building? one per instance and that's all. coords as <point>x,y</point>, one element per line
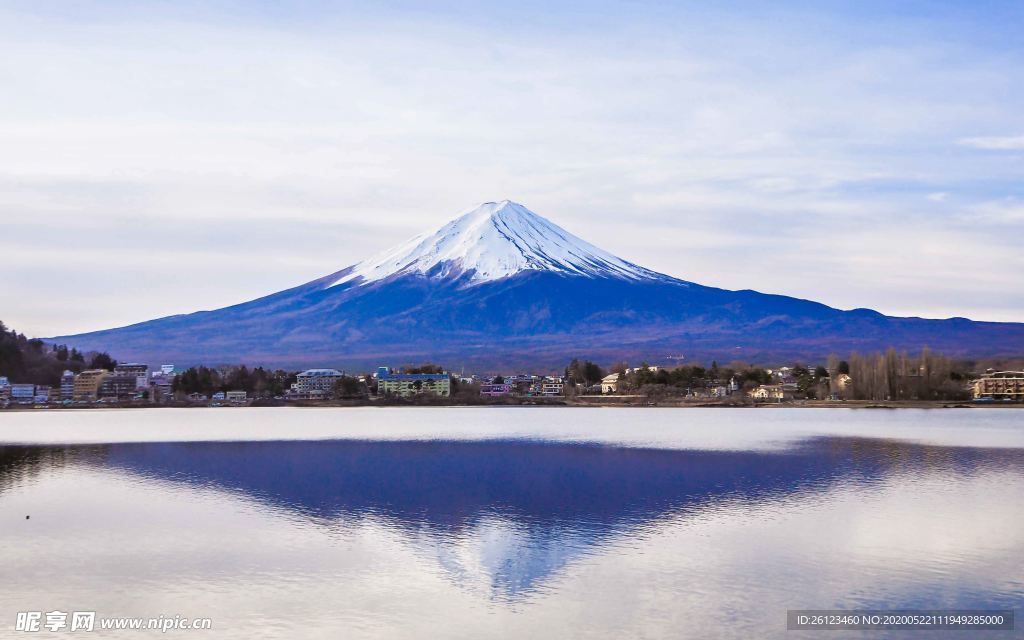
<point>782,374</point>
<point>161,385</point>
<point>87,384</point>
<point>236,397</point>
<point>1000,385</point>
<point>651,368</point>
<point>167,370</point>
<point>495,390</point>
<point>23,393</point>
<point>840,386</point>
<point>410,384</point>
<point>118,386</point>
<point>776,392</point>
<point>610,383</point>
<point>315,384</point>
<point>67,385</point>
<point>197,397</point>
<point>5,388</point>
<point>552,387</point>
<point>523,384</point>
<point>139,371</point>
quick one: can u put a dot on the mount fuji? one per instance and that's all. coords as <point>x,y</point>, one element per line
<point>500,286</point>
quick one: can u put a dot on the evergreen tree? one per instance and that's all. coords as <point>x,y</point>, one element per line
<point>102,361</point>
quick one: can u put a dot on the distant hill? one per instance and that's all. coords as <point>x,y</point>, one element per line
<point>32,361</point>
<point>502,287</point>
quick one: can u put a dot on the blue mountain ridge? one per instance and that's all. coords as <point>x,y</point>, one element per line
<point>431,303</point>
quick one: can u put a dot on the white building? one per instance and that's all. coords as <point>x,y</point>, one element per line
<point>782,373</point>
<point>67,385</point>
<point>236,397</point>
<point>777,392</point>
<point>651,368</point>
<point>316,382</point>
<point>553,387</point>
<point>610,383</point>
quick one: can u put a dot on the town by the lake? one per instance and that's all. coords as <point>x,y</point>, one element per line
<point>888,377</point>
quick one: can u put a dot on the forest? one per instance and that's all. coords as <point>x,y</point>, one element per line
<point>32,361</point>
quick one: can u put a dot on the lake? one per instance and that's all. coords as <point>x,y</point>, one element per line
<point>509,522</point>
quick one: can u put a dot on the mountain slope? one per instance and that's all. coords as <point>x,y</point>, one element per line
<point>502,287</point>
<point>494,241</point>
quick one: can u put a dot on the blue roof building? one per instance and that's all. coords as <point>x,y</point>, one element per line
<point>410,384</point>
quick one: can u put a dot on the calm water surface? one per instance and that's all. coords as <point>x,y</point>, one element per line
<point>509,522</point>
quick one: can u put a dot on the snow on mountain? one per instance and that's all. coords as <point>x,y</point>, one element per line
<point>494,241</point>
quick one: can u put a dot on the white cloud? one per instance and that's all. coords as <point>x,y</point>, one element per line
<point>995,143</point>
<point>997,212</point>
<point>349,135</point>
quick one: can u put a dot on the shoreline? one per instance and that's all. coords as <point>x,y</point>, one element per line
<point>579,401</point>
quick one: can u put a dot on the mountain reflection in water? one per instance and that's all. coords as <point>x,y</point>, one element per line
<point>525,508</point>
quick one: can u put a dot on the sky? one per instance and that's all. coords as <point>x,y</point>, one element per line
<point>166,157</point>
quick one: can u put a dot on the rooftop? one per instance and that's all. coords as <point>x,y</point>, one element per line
<point>321,372</point>
<point>412,376</point>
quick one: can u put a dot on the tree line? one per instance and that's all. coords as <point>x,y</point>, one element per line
<point>32,361</point>
<point>259,382</point>
<point>899,376</point>
<point>890,375</point>
<point>677,380</point>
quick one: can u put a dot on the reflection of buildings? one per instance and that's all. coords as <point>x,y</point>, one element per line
<point>21,464</point>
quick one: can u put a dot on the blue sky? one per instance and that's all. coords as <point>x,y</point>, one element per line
<point>158,158</point>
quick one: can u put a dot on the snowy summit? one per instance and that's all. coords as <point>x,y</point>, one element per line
<point>493,241</point>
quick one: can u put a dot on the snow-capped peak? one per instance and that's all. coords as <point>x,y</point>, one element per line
<point>493,241</point>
